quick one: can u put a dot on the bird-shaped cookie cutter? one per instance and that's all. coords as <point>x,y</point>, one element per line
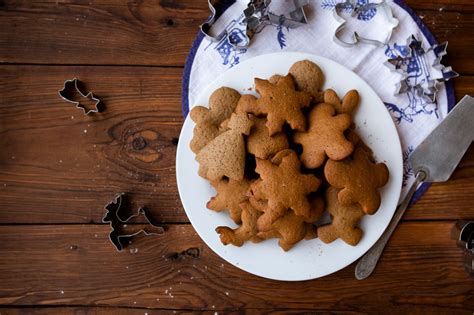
<point>256,16</point>
<point>355,9</point>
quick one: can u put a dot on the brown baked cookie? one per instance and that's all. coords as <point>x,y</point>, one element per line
<point>325,136</point>
<point>225,155</point>
<point>349,102</point>
<point>221,105</point>
<point>246,104</point>
<point>281,103</point>
<point>284,187</point>
<point>246,232</point>
<point>309,78</point>
<point>355,139</point>
<point>260,144</point>
<point>292,228</point>
<point>274,79</point>
<point>359,179</point>
<point>344,220</point>
<point>230,194</point>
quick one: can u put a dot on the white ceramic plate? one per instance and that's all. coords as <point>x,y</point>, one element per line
<point>308,259</point>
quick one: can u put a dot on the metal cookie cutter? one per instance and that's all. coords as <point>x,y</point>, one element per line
<point>71,85</point>
<point>117,235</point>
<point>256,17</point>
<point>425,88</point>
<point>356,9</point>
<point>463,233</point>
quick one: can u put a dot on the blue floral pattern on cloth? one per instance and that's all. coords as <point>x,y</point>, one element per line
<point>418,72</point>
<point>365,15</point>
<point>236,30</point>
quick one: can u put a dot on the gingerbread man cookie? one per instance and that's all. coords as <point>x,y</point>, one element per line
<point>344,220</point>
<point>359,179</point>
<point>325,136</point>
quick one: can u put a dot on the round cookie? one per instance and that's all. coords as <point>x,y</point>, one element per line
<point>308,77</point>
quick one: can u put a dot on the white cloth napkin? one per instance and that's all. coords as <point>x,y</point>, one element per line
<point>414,117</point>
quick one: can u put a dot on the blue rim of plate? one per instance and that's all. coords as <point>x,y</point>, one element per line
<point>220,10</point>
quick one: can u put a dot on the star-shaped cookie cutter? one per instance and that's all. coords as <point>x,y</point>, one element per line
<point>70,85</point>
<point>427,89</point>
<point>256,16</point>
<point>112,216</point>
<point>356,9</point>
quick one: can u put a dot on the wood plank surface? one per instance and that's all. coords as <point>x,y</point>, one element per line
<point>76,265</point>
<point>59,166</point>
<point>161,33</point>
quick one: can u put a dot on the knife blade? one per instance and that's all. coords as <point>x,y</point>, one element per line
<point>434,160</point>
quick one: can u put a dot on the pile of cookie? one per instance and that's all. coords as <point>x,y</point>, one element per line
<point>278,161</point>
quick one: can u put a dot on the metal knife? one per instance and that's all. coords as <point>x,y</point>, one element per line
<point>434,160</point>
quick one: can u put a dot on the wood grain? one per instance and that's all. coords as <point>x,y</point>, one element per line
<point>161,33</point>
<point>59,166</point>
<point>76,265</point>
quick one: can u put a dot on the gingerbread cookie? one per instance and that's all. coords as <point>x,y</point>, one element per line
<point>230,194</point>
<point>221,105</point>
<point>359,179</point>
<point>292,228</point>
<point>260,144</point>
<point>225,155</point>
<point>246,232</point>
<point>284,186</point>
<point>308,77</point>
<point>281,103</point>
<point>344,220</point>
<point>274,79</point>
<point>325,136</point>
<point>246,104</point>
<point>355,139</point>
<point>349,102</point>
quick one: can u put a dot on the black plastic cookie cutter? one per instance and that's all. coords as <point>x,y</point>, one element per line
<point>119,238</point>
<point>70,88</point>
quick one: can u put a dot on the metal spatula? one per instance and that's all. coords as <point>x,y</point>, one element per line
<point>434,160</point>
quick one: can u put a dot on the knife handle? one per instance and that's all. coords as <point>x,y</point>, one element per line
<point>367,263</point>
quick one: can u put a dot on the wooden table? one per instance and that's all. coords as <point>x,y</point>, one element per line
<point>58,168</point>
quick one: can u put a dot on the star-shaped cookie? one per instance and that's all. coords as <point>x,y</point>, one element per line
<point>284,187</point>
<point>281,103</point>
